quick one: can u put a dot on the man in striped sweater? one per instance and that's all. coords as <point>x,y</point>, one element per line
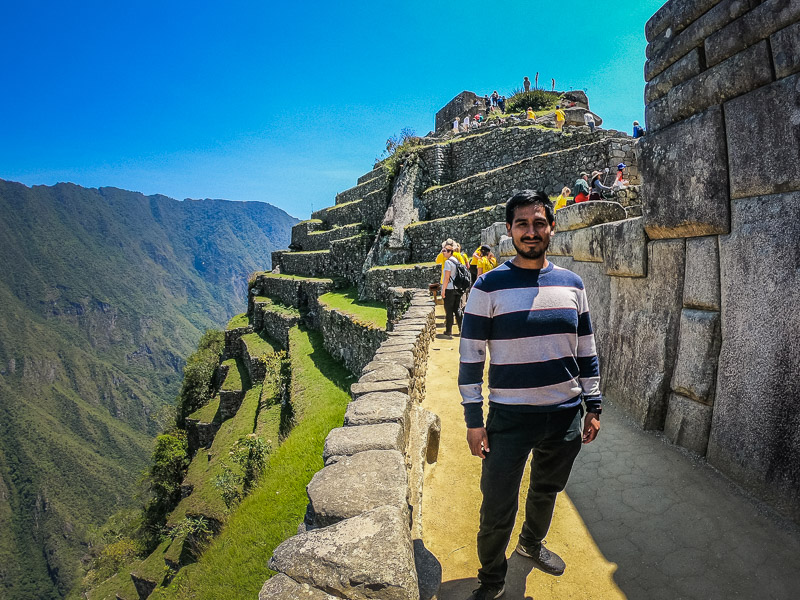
<point>534,316</point>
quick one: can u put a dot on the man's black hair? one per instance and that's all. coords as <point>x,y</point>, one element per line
<point>528,198</point>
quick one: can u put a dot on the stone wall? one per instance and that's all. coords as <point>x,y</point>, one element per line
<point>363,502</point>
<point>310,236</point>
<point>348,339</point>
<point>276,323</point>
<point>300,233</point>
<point>721,178</point>
<point>457,107</point>
<point>291,291</point>
<point>348,256</point>
<point>369,210</point>
<point>307,264</point>
<point>548,172</point>
<point>425,238</point>
<point>378,280</point>
<point>362,189</point>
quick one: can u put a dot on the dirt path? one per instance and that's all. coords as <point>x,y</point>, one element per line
<point>639,518</point>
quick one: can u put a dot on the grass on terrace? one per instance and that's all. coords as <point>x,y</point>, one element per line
<point>275,306</point>
<point>235,564</point>
<point>238,321</point>
<point>347,302</point>
<point>258,345</point>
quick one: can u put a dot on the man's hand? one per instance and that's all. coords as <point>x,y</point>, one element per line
<point>591,426</point>
<point>478,441</point>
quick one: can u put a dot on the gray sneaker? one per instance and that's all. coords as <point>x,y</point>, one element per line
<point>488,591</point>
<point>547,561</point>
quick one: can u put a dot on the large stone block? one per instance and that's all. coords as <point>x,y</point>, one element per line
<point>586,214</point>
<point>755,434</point>
<point>738,75</point>
<point>560,244</point>
<point>656,115</point>
<point>685,178</point>
<point>346,441</point>
<point>688,423</point>
<point>398,385</point>
<point>701,285</point>
<point>698,350</point>
<point>390,372</point>
<point>641,334</point>
<point>356,484</point>
<point>625,248</point>
<point>785,46</point>
<point>675,16</point>
<point>281,587</point>
<point>759,23</point>
<point>366,557</point>
<point>587,244</point>
<point>764,139</point>
<point>380,407</point>
<point>683,69</point>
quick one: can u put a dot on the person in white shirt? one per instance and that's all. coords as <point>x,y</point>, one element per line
<point>588,118</point>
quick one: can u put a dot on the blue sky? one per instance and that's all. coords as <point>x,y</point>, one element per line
<point>280,102</point>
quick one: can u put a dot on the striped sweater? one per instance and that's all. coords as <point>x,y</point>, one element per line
<point>541,345</point>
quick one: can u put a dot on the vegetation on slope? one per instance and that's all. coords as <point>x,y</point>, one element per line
<point>235,563</point>
<point>104,294</point>
<point>347,302</point>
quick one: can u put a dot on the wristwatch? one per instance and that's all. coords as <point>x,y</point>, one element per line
<point>595,411</point>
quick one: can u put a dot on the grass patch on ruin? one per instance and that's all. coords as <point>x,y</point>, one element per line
<point>346,301</point>
<point>234,565</point>
<point>274,306</point>
<point>207,413</point>
<point>237,322</point>
<point>257,345</point>
<point>235,377</point>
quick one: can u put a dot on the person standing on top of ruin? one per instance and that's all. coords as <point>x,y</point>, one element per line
<point>561,201</point>
<point>588,118</point>
<point>526,84</point>
<point>637,130</point>
<point>455,125</point>
<point>465,124</point>
<point>495,98</point>
<point>450,295</point>
<point>501,102</point>
<point>560,117</point>
<point>530,115</point>
<point>581,188</point>
<point>488,104</point>
<point>534,318</point>
<point>597,187</point>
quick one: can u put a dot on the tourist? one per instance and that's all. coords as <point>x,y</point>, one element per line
<point>598,188</point>
<point>620,183</point>
<point>539,373</point>
<point>450,295</point>
<point>456,122</point>
<point>530,115</point>
<point>561,201</point>
<point>487,262</point>
<point>526,84</point>
<point>560,117</point>
<point>474,262</point>
<point>588,118</point>
<point>637,130</point>
<point>495,98</point>
<point>487,103</point>
<point>501,102</point>
<point>465,124</point>
<point>435,287</point>
<point>581,188</point>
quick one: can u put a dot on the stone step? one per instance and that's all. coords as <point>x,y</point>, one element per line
<point>548,172</point>
<point>320,239</point>
<point>369,210</point>
<point>426,237</point>
<point>359,191</point>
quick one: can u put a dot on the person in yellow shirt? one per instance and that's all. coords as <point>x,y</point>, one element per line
<point>474,262</point>
<point>531,116</point>
<point>560,117</point>
<point>561,201</point>
<point>462,258</point>
<point>434,287</point>
<point>487,261</point>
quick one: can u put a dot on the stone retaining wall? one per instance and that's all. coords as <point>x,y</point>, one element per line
<point>548,172</point>
<point>362,189</point>
<point>376,172</point>
<point>275,323</point>
<point>305,238</point>
<point>348,339</point>
<point>378,280</point>
<point>355,541</point>
<point>307,264</point>
<point>300,233</point>
<point>723,98</point>
<point>369,210</point>
<point>425,237</point>
<point>291,291</point>
<point>348,256</point>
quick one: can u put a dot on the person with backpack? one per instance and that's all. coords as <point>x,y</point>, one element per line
<point>456,281</point>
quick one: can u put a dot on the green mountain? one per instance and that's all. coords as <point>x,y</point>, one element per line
<point>103,293</point>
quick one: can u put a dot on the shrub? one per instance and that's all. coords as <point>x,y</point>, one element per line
<point>536,99</point>
<point>249,454</point>
<point>169,463</point>
<point>198,375</point>
<point>397,149</point>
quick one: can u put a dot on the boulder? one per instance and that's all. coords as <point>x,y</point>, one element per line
<point>364,557</point>
<point>346,441</point>
<point>281,587</point>
<point>586,214</point>
<point>356,484</point>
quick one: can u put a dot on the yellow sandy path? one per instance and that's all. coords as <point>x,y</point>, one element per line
<point>451,503</point>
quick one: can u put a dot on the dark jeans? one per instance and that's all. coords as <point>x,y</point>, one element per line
<point>452,308</point>
<point>555,439</point>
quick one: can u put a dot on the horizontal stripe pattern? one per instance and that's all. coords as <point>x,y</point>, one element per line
<point>537,327</point>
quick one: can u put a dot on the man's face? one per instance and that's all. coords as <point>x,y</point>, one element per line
<point>530,232</point>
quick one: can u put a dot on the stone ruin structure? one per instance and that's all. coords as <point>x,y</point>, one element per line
<point>692,274</point>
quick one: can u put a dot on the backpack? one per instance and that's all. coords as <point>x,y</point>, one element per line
<point>462,280</point>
